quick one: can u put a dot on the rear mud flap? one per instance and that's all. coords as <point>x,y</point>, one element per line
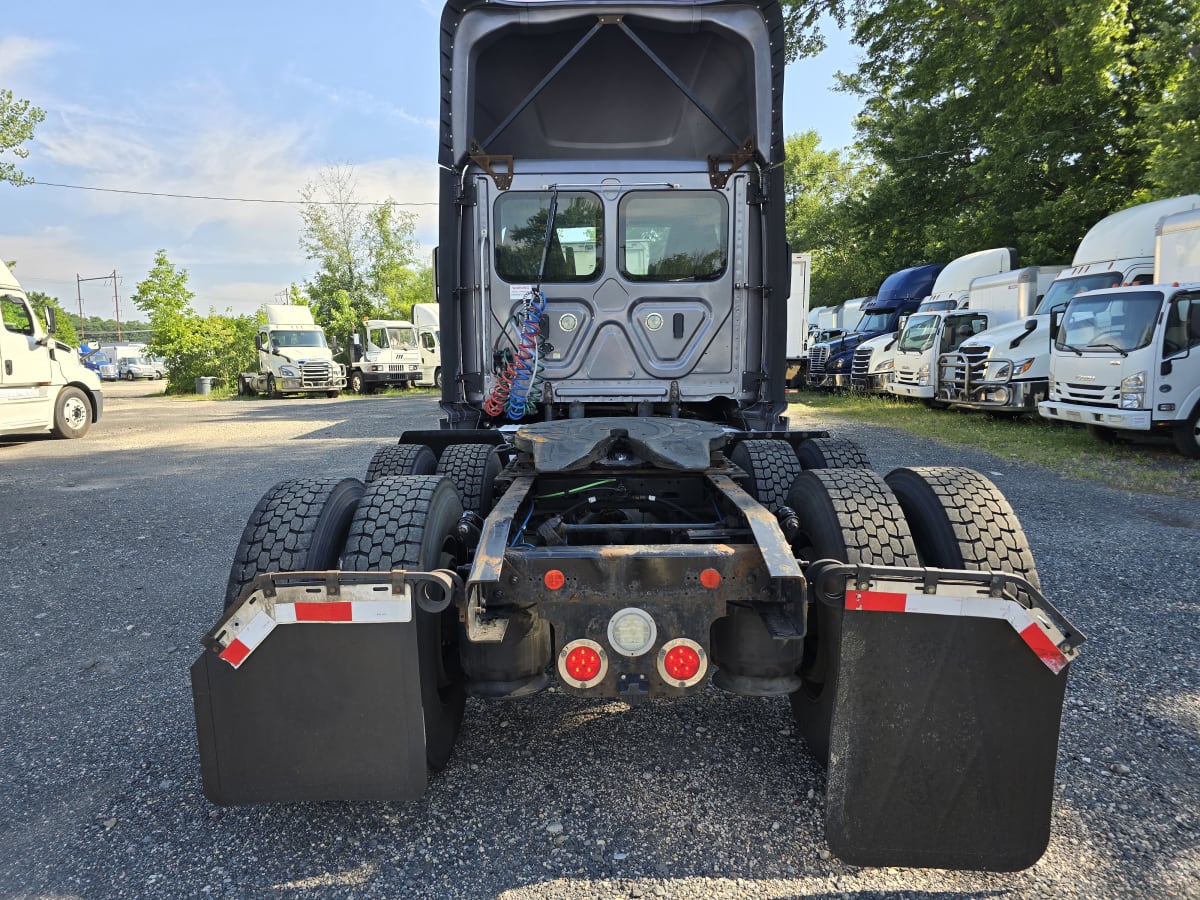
<point>318,711</point>
<point>945,727</point>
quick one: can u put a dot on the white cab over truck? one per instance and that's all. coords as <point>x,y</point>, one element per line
<point>615,504</point>
<point>429,336</point>
<point>293,356</point>
<point>991,301</point>
<point>43,384</point>
<point>1007,369</point>
<point>1128,359</point>
<point>873,367</point>
<point>382,353</point>
<point>797,323</point>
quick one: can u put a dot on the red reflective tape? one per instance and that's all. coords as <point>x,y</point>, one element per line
<point>877,601</point>
<point>235,653</point>
<point>324,612</point>
<point>1045,648</point>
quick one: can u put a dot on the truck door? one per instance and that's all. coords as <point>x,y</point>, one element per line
<point>25,367</point>
<point>1181,349</point>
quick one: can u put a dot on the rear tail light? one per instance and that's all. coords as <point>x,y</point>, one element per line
<point>582,663</point>
<point>631,631</point>
<point>682,662</point>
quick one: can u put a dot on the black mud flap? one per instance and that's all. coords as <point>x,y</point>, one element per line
<point>945,728</point>
<point>317,711</point>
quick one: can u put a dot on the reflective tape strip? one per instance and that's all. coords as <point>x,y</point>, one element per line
<point>1022,620</point>
<point>398,610</point>
<point>247,638</point>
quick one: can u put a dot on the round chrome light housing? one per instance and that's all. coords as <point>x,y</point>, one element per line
<point>631,631</point>
<point>682,662</point>
<point>582,663</point>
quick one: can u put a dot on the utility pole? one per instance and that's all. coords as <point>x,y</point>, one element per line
<point>284,296</point>
<point>116,301</point>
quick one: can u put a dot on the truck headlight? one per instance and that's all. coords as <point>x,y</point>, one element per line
<point>1133,391</point>
<point>998,371</point>
<point>923,375</point>
<point>289,371</point>
<point>837,363</point>
<point>886,366</point>
<point>1020,368</point>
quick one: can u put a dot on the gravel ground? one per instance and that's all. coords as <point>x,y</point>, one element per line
<point>116,549</point>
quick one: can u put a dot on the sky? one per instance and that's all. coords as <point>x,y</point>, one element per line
<point>238,100</point>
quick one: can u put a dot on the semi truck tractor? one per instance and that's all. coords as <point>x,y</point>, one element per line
<point>873,365</point>
<point>615,503</point>
<point>1006,370</point>
<point>43,384</point>
<point>1127,360</point>
<point>830,363</point>
<point>991,301</point>
<point>293,356</point>
<point>382,353</point>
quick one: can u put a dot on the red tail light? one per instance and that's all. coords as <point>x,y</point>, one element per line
<point>582,663</point>
<point>682,662</point>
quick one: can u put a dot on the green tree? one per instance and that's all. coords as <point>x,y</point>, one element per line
<point>820,185</point>
<point>1173,123</point>
<point>18,118</point>
<point>365,253</point>
<point>65,329</point>
<point>1010,124</point>
<point>214,345</point>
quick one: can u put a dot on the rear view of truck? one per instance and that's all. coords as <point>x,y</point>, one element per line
<point>615,503</point>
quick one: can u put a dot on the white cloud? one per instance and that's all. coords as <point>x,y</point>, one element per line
<point>362,102</point>
<point>17,53</point>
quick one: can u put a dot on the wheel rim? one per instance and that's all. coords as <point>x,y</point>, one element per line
<point>75,413</point>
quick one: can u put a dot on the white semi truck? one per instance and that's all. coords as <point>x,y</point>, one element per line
<point>382,353</point>
<point>1128,360</point>
<point>1006,370</point>
<point>429,335</point>
<point>615,503</point>
<point>293,356</point>
<point>43,384</point>
<point>873,366</point>
<point>992,300</point>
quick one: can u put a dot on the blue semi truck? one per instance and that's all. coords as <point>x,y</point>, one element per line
<point>901,293</point>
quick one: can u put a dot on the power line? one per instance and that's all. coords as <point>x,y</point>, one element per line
<point>80,187</point>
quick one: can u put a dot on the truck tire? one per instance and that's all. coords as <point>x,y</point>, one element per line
<point>298,525</point>
<point>473,469</point>
<point>72,413</point>
<point>437,377</point>
<point>772,467</point>
<point>1187,435</point>
<point>356,383</point>
<point>849,515</point>
<point>272,388</point>
<point>401,459</point>
<point>831,453</point>
<point>403,523</point>
<point>960,520</point>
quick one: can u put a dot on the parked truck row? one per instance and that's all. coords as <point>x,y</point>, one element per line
<point>991,341</point>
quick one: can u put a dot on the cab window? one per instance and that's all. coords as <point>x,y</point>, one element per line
<point>576,249</point>
<point>16,315</point>
<point>673,236</point>
<point>1182,332</point>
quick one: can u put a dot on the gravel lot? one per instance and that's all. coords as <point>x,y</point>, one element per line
<point>116,549</point>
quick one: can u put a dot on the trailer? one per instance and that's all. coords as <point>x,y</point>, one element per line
<point>615,503</point>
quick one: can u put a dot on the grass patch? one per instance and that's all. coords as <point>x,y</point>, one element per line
<point>1148,466</point>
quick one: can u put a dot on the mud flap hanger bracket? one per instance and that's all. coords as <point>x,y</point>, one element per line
<point>1002,595</point>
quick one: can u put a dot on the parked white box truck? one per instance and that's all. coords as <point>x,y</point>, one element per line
<point>991,301</point>
<point>429,337</point>
<point>873,366</point>
<point>293,356</point>
<point>1128,359</point>
<point>1007,369</point>
<point>797,320</point>
<point>43,384</point>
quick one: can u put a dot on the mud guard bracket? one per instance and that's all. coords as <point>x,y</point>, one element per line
<point>326,706</point>
<point>945,725</point>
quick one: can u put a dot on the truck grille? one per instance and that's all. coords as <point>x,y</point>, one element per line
<point>859,367</point>
<point>955,370</point>
<point>904,376</point>
<point>817,360</point>
<point>315,372</point>
<point>1107,396</point>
